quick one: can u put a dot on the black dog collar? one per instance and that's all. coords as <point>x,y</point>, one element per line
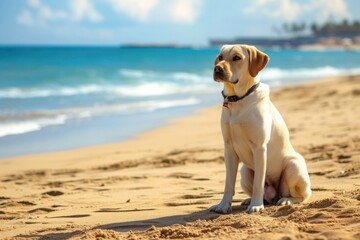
<point>236,98</point>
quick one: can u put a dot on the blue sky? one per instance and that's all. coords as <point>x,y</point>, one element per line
<point>113,22</point>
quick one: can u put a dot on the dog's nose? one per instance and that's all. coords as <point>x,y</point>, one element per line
<point>218,69</point>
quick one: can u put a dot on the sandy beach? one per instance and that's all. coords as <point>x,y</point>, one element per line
<point>161,184</point>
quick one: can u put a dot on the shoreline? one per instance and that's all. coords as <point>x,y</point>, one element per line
<point>132,134</point>
<point>134,138</point>
<point>165,179</point>
<point>116,129</point>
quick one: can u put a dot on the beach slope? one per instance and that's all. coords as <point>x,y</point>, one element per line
<point>161,184</point>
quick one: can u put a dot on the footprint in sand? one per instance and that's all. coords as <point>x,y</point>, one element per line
<point>58,206</point>
<point>27,203</point>
<point>9,216</point>
<point>17,204</point>
<point>324,203</point>
<point>320,218</point>
<point>124,210</point>
<point>4,198</point>
<point>349,213</point>
<point>73,216</point>
<point>284,211</point>
<point>201,179</point>
<point>53,193</point>
<point>193,196</point>
<point>141,188</point>
<point>178,204</point>
<point>41,210</point>
<point>71,173</point>
<point>12,178</point>
<point>181,175</point>
<point>356,92</point>
<point>320,189</point>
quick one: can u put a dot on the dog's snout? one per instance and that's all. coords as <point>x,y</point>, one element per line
<point>218,69</point>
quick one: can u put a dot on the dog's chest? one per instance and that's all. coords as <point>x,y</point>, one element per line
<point>241,143</point>
<point>235,132</point>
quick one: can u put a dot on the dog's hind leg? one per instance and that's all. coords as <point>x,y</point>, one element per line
<point>295,182</point>
<point>247,179</point>
<point>246,182</point>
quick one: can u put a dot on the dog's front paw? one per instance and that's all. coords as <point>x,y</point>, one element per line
<point>222,207</point>
<point>255,208</point>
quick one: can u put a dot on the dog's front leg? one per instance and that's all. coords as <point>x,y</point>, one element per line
<point>257,202</point>
<point>231,164</point>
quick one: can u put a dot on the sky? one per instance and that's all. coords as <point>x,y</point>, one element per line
<point>183,22</point>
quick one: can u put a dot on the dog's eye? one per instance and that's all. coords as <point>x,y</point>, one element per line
<point>236,58</point>
<point>220,58</point>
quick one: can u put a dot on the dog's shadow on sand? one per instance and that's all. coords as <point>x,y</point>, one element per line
<point>141,225</point>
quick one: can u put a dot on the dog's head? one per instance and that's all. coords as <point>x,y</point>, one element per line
<point>237,62</point>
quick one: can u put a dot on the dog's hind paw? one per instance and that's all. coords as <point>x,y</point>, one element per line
<point>288,201</point>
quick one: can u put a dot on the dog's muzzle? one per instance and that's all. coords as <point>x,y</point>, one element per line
<point>219,73</point>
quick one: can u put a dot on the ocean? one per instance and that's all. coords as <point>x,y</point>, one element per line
<point>59,98</point>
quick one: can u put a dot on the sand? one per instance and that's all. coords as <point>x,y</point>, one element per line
<point>161,184</point>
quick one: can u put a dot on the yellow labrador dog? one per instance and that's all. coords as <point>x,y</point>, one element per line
<point>255,134</point>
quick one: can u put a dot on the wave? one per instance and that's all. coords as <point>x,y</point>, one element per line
<point>132,83</point>
<point>141,90</point>
<point>275,74</point>
<point>190,77</point>
<point>15,125</point>
<point>14,128</point>
<point>165,76</point>
<point>162,84</point>
<point>148,106</point>
<point>132,73</point>
<point>162,89</point>
<point>48,92</point>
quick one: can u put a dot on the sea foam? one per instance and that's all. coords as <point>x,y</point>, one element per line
<point>59,117</point>
<point>151,83</point>
<point>20,127</point>
<point>274,74</point>
<point>140,90</point>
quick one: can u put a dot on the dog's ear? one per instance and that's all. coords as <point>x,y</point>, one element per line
<point>257,60</point>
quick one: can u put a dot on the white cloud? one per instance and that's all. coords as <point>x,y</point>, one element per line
<point>180,11</point>
<point>34,3</point>
<point>25,18</point>
<point>284,9</point>
<point>185,11</point>
<point>321,10</point>
<point>289,10</point>
<point>41,13</point>
<point>136,9</point>
<point>84,9</point>
<point>47,13</point>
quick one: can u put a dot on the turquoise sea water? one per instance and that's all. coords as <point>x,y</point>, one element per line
<point>56,98</point>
